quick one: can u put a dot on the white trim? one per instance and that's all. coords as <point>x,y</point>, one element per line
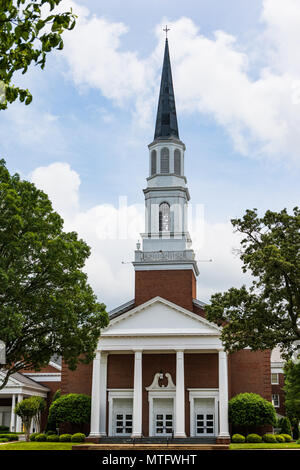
<point>56,366</point>
<point>277,378</point>
<point>212,393</point>
<point>114,394</point>
<point>43,376</point>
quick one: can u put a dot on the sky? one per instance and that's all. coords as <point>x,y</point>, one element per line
<point>84,138</point>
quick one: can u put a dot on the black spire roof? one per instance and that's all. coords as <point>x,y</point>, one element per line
<point>166,119</point>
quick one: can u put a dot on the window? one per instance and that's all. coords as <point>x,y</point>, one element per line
<point>164,160</point>
<point>275,400</point>
<point>123,424</point>
<point>164,217</point>
<point>177,162</point>
<point>153,162</point>
<point>205,424</point>
<point>163,423</point>
<point>274,379</point>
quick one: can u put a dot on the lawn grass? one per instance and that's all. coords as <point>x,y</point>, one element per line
<point>286,445</point>
<point>22,445</point>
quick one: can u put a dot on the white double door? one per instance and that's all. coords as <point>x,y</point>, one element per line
<point>122,417</point>
<point>163,417</point>
<point>204,417</point>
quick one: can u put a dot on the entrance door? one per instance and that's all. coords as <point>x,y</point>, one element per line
<point>204,417</point>
<point>163,417</point>
<point>122,417</point>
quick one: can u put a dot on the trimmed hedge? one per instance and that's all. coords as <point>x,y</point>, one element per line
<point>238,439</point>
<point>269,438</point>
<point>279,438</point>
<point>40,438</point>
<point>33,436</point>
<point>78,437</point>
<point>4,429</point>
<point>65,437</point>
<point>51,433</point>
<point>52,438</point>
<point>254,438</point>
<point>10,437</point>
<point>3,439</point>
<point>287,437</point>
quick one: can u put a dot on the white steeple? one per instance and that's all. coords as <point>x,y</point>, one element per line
<point>166,241</point>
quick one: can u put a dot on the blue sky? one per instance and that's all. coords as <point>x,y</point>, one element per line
<point>84,138</point>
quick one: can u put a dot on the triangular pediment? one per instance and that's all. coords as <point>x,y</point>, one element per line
<point>160,317</point>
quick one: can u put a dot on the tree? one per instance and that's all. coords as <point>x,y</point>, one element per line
<point>28,32</point>
<point>292,390</point>
<point>28,409</point>
<point>46,304</point>
<point>51,423</point>
<point>267,314</point>
<point>250,409</point>
<point>41,406</point>
<point>74,408</point>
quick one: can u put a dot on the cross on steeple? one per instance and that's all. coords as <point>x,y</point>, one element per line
<point>166,29</point>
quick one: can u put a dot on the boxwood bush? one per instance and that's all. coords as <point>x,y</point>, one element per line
<point>238,439</point>
<point>65,437</point>
<point>269,438</point>
<point>287,437</point>
<point>10,437</point>
<point>78,437</point>
<point>253,438</point>
<point>40,438</point>
<point>4,429</point>
<point>52,438</point>
<point>250,409</point>
<point>279,438</point>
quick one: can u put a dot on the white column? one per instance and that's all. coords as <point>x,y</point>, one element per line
<point>223,395</point>
<point>95,406</point>
<point>19,421</point>
<point>103,393</point>
<point>12,414</point>
<point>180,396</point>
<point>137,395</point>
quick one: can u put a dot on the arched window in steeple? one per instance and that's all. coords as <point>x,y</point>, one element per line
<point>164,160</point>
<point>153,162</point>
<point>177,162</point>
<point>164,217</point>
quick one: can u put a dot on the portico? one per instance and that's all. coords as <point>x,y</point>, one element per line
<point>160,401</point>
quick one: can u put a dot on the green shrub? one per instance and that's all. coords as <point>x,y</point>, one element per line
<point>78,437</point>
<point>33,436</point>
<point>72,408</point>
<point>269,438</point>
<point>4,429</point>
<point>65,437</point>
<point>238,438</point>
<point>3,439</point>
<point>50,433</point>
<point>285,426</point>
<point>52,438</point>
<point>40,438</point>
<point>10,437</point>
<point>250,409</point>
<point>279,438</point>
<point>298,442</point>
<point>287,437</point>
<point>253,438</point>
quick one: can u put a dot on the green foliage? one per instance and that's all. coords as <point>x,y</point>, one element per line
<point>267,314</point>
<point>27,409</point>
<point>65,437</point>
<point>292,390</point>
<point>285,426</point>
<point>52,438</point>
<point>269,438</point>
<point>46,305</point>
<point>50,433</point>
<point>71,408</point>
<point>4,439</point>
<point>29,30</point>
<point>253,438</point>
<point>279,438</point>
<point>9,437</point>
<point>56,395</point>
<point>40,438</point>
<point>33,436</point>
<point>4,428</point>
<point>238,439</point>
<point>250,409</point>
<point>295,428</point>
<point>78,437</point>
<point>287,437</point>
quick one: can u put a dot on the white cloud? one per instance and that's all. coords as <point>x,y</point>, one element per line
<point>211,75</point>
<point>112,232</point>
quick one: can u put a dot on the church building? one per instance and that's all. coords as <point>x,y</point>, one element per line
<point>160,368</point>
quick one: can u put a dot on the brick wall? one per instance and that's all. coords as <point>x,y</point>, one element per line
<point>178,286</point>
